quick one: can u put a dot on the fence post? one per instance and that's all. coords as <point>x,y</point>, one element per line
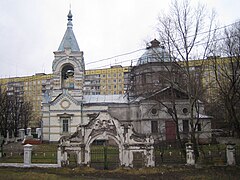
<point>27,155</point>
<point>190,154</point>
<point>231,149</point>
<point>59,156</point>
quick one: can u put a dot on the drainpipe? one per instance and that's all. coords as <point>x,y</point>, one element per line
<point>49,122</point>
<point>82,113</point>
<point>83,135</point>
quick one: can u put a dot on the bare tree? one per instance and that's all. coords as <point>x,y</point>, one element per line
<point>227,75</point>
<point>26,114</point>
<point>186,32</point>
<point>15,112</point>
<point>4,112</point>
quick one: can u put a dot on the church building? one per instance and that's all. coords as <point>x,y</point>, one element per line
<point>65,108</point>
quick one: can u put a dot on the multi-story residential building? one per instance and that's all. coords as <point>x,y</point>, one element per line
<point>111,80</point>
<point>206,73</point>
<point>29,87</point>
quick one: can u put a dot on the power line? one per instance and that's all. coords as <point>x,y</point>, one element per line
<point>197,44</point>
<point>135,59</point>
<point>128,60</point>
<point>124,54</point>
<point>11,79</point>
<point>131,52</point>
<point>215,29</point>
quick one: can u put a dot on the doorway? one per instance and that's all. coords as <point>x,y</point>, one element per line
<point>104,154</point>
<point>170,131</point>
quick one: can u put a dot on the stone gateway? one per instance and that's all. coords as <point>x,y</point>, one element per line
<point>105,127</point>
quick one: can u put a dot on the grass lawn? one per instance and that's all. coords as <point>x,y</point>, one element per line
<point>46,153</point>
<point>43,153</point>
<point>163,172</point>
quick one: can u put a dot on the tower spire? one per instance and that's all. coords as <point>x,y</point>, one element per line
<point>70,15</point>
<point>69,24</point>
<point>69,41</point>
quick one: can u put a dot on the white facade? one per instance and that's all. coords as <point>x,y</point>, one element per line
<point>65,108</point>
<point>62,102</point>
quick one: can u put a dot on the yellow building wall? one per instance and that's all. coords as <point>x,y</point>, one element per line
<point>32,90</point>
<point>111,82</point>
<point>111,79</point>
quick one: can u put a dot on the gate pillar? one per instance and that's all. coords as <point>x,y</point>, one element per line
<point>59,156</point>
<point>231,154</point>
<point>79,157</point>
<point>65,158</point>
<point>127,158</point>
<point>27,155</point>
<point>149,156</point>
<point>190,154</point>
<point>82,153</point>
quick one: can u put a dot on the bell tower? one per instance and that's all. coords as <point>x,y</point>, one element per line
<point>62,102</point>
<point>68,65</point>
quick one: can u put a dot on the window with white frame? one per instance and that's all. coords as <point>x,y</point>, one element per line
<point>65,125</point>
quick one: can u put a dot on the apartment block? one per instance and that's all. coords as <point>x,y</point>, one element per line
<point>30,88</point>
<point>111,80</point>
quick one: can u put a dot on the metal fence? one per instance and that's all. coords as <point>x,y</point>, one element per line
<point>169,153</point>
<point>104,157</point>
<point>238,154</point>
<point>44,157</point>
<point>211,154</point>
<point>13,153</point>
<point>107,157</point>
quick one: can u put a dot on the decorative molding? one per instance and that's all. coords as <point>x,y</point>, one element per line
<point>65,104</point>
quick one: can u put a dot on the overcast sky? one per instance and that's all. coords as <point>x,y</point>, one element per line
<point>31,30</point>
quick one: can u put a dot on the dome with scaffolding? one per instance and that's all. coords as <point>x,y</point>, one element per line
<point>154,53</point>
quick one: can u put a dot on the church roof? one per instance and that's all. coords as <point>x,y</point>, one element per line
<point>69,41</point>
<point>110,98</point>
<point>113,98</point>
<point>154,53</point>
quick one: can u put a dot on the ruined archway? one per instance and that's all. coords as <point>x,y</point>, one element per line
<point>103,126</point>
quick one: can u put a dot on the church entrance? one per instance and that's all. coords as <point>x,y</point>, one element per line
<point>170,131</point>
<point>104,154</point>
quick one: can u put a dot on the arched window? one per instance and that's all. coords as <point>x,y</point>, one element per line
<point>67,75</point>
